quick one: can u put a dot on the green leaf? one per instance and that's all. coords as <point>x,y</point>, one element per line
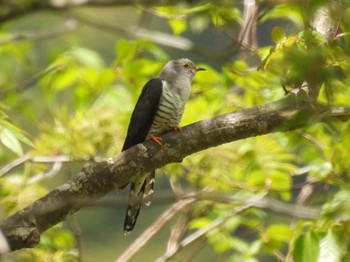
<point>223,15</point>
<point>87,57</point>
<point>333,246</point>
<point>277,34</point>
<point>307,248</point>
<point>178,26</point>
<point>279,232</point>
<point>289,10</point>
<point>10,141</point>
<point>18,133</point>
<point>338,208</point>
<point>125,50</point>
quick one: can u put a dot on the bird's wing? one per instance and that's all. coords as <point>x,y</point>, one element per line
<point>144,112</point>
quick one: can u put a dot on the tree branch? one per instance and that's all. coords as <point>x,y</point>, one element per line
<point>155,228</point>
<point>23,229</point>
<point>14,11</point>
<point>199,235</point>
<point>68,26</point>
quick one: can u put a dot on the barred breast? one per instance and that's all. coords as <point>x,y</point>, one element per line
<point>169,112</point>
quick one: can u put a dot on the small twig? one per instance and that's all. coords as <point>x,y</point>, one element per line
<point>154,229</point>
<point>176,187</point>
<point>68,26</point>
<point>305,193</point>
<point>40,159</point>
<point>56,167</point>
<point>267,203</point>
<point>247,35</point>
<point>178,231</point>
<point>249,188</point>
<point>14,164</point>
<point>201,233</point>
<point>160,38</point>
<point>313,140</point>
<point>76,230</point>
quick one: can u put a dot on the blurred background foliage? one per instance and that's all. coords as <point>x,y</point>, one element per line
<point>70,77</point>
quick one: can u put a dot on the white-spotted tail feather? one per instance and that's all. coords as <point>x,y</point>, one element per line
<point>134,205</point>
<point>149,188</point>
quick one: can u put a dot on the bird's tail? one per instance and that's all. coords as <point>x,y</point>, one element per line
<point>141,190</point>
<point>134,205</point>
<point>149,188</point>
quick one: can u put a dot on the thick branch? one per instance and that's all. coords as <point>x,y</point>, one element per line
<point>23,229</point>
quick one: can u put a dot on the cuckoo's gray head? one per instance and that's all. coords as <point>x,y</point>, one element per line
<point>179,70</point>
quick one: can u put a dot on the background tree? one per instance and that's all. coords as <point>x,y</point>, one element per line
<point>68,87</point>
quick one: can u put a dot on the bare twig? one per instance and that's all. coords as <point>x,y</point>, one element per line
<point>154,229</point>
<point>68,26</point>
<point>76,230</point>
<point>201,233</point>
<point>266,203</point>
<point>178,231</point>
<point>41,159</point>
<point>161,38</point>
<point>313,140</point>
<point>14,163</point>
<point>176,187</point>
<point>20,10</point>
<point>56,167</point>
<point>247,36</point>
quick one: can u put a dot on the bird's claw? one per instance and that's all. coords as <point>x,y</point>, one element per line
<point>158,140</point>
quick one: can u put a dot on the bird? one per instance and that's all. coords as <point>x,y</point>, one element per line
<point>158,109</point>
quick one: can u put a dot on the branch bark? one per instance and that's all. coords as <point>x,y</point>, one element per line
<point>23,228</point>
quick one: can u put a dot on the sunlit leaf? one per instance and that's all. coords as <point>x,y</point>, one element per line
<point>333,246</point>
<point>277,34</point>
<point>87,57</point>
<point>9,140</point>
<point>279,232</point>
<point>125,51</point>
<point>307,247</point>
<point>291,10</point>
<point>338,208</point>
<point>178,26</point>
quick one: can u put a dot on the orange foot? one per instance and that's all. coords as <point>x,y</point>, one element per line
<point>177,128</point>
<point>158,140</point>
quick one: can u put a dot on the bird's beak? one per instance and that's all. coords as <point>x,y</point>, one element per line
<point>199,69</point>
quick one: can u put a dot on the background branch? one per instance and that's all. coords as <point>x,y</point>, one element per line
<point>40,159</point>
<point>154,229</point>
<point>176,245</point>
<point>15,11</point>
<point>68,26</point>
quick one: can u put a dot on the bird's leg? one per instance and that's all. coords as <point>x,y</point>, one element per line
<point>157,139</point>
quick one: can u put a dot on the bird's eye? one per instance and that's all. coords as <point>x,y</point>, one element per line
<point>185,65</point>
